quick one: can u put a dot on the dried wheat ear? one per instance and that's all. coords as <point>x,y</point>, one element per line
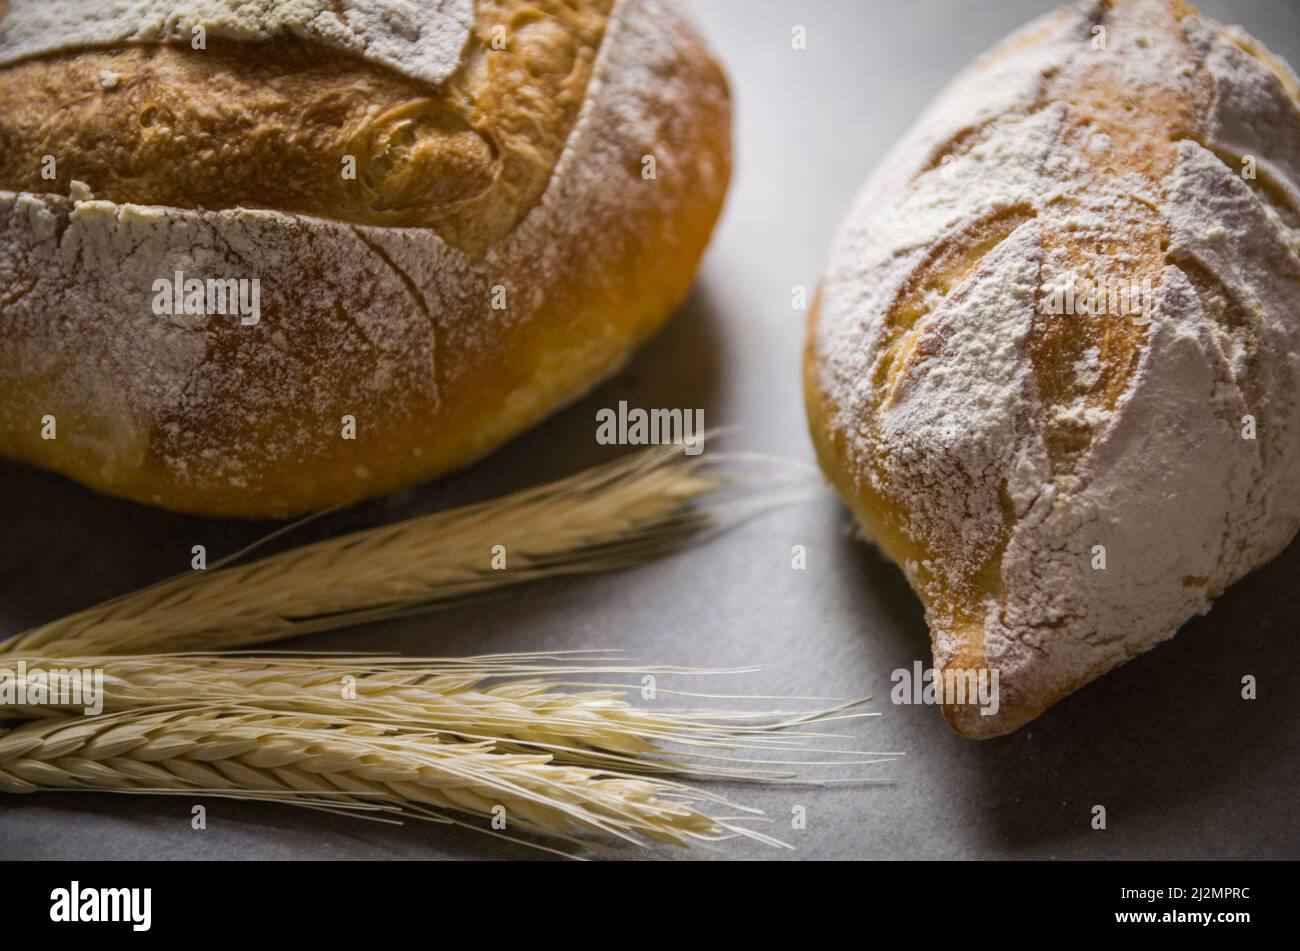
<point>472,741</point>
<point>497,743</point>
<point>608,517</point>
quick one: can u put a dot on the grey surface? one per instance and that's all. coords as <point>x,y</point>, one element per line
<point>1185,768</point>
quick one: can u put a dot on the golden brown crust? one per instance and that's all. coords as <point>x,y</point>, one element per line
<point>390,325</point>
<point>1100,167</point>
<point>271,124</point>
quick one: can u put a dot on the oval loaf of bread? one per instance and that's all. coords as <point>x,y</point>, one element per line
<point>1055,366</point>
<point>258,258</point>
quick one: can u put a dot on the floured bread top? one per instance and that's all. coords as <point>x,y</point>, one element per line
<point>439,115</point>
<point>422,39</point>
<point>392,323</point>
<point>1047,323</point>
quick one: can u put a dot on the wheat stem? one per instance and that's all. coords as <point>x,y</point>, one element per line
<point>313,762</point>
<point>601,519</point>
<point>505,699</point>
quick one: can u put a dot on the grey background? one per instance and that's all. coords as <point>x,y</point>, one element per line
<point>1185,768</point>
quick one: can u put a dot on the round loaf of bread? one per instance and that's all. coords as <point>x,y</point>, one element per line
<point>260,258</point>
<point>1055,366</point>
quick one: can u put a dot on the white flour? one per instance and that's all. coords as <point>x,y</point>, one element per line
<point>421,38</point>
<point>1181,503</point>
<point>364,313</point>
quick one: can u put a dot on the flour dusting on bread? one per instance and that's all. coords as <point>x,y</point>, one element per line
<point>393,325</point>
<point>422,39</point>
<point>1065,490</point>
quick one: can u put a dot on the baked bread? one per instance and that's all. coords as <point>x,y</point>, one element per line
<point>1064,490</point>
<point>533,184</point>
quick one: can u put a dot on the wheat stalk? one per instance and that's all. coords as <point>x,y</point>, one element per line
<point>509,699</point>
<point>309,761</point>
<point>605,518</point>
<point>422,737</point>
